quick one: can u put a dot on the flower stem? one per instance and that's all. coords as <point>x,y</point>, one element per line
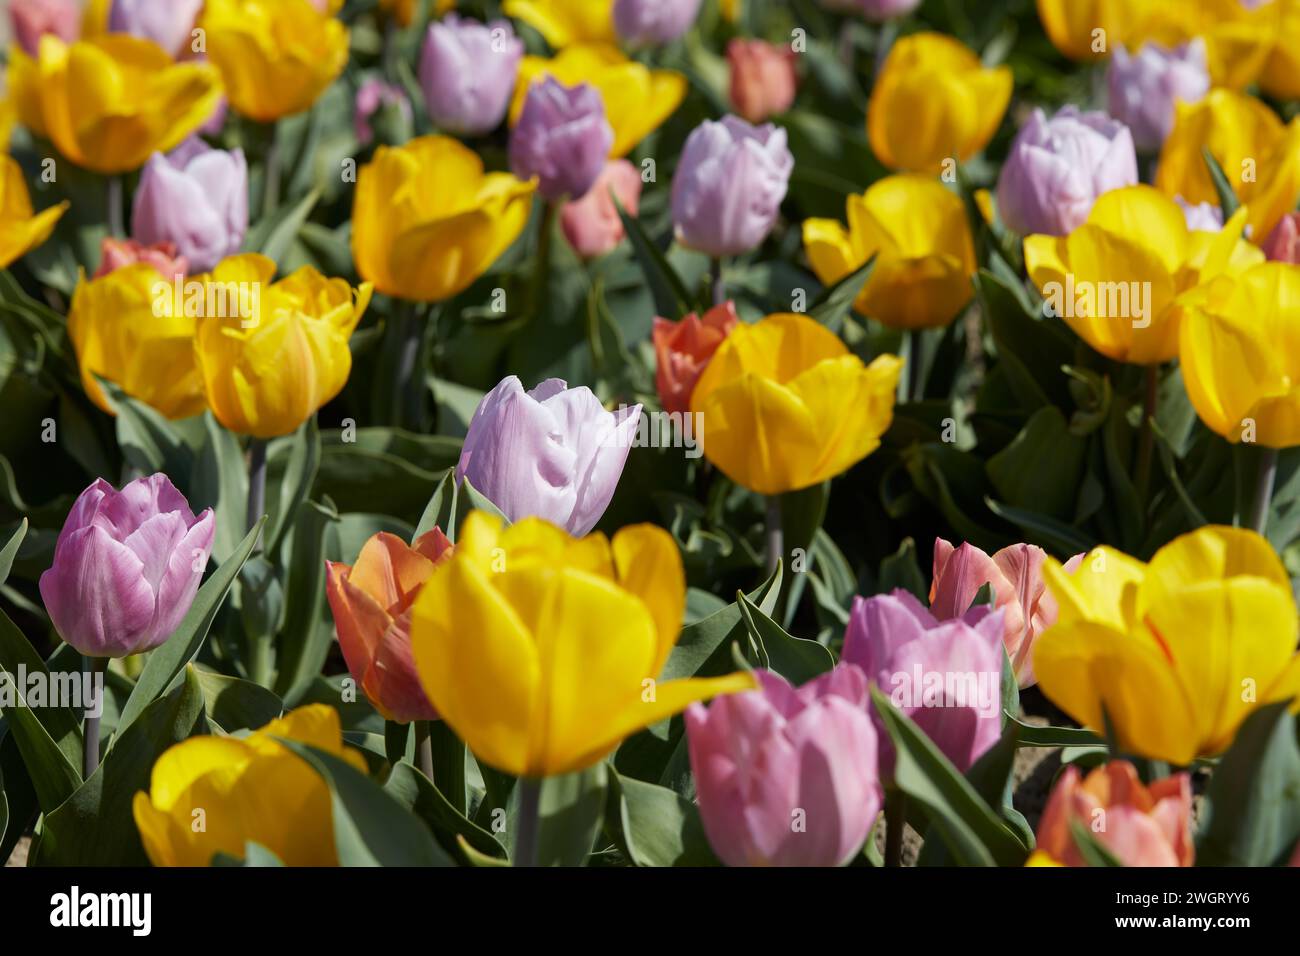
<point>116,219</point>
<point>915,383</point>
<point>895,823</point>
<point>424,748</point>
<point>775,533</point>
<point>256,482</point>
<point>95,667</point>
<point>1146,434</point>
<point>271,186</point>
<point>530,805</point>
<point>449,763</point>
<point>1264,481</point>
<point>408,389</point>
<point>719,283</point>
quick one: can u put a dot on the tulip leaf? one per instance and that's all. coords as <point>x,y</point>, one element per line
<point>475,500</point>
<point>1031,349</point>
<point>19,793</point>
<point>698,643</point>
<point>671,299</point>
<point>1254,794</point>
<point>234,704</point>
<point>902,570</point>
<point>441,510</point>
<point>167,662</point>
<point>655,826</point>
<point>10,551</point>
<point>149,442</point>
<point>305,640</point>
<point>1042,467</point>
<point>4,811</point>
<point>273,236</point>
<point>795,659</point>
<point>1031,735</point>
<point>1093,851</point>
<point>298,477</point>
<point>837,301</point>
<point>371,826</point>
<point>1228,201</point>
<point>802,515</point>
<point>571,811</point>
<point>414,791</point>
<point>1051,533</point>
<point>255,855</point>
<point>221,483</point>
<point>971,829</point>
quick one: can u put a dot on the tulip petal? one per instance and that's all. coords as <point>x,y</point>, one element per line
<point>650,566</point>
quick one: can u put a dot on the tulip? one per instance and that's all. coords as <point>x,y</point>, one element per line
<point>248,789</point>
<point>1138,825</point>
<point>168,23</point>
<point>1155,268</point>
<point>195,198</point>
<point>877,11</point>
<point>1202,216</point>
<point>787,406</point>
<point>787,777</point>
<point>276,352</point>
<point>920,236</point>
<point>126,567</point>
<point>562,139</point>
<point>1238,36</point>
<point>729,186</point>
<point>542,650</point>
<point>552,452</point>
<point>1260,156</point>
<point>945,675</point>
<point>130,326</point>
<point>1145,88</point>
<point>683,351</point>
<point>1057,168</point>
<point>374,98</point>
<point>427,221</point>
<point>934,103</point>
<point>1176,653</point>
<point>654,22</point>
<point>1283,243</point>
<point>468,72</point>
<point>564,23</point>
<point>637,99</point>
<point>156,103</point>
<point>1237,359</point>
<point>1281,75</point>
<point>371,601</point>
<point>592,224</point>
<point>1086,30</point>
<point>276,59</point>
<point>21,231</point>
<point>119,253</point>
<point>1016,576</point>
<point>763,79</point>
<point>32,19</point>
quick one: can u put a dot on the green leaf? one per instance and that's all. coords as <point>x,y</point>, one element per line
<point>1051,533</point>
<point>149,442</point>
<point>1031,349</point>
<point>1092,850</point>
<point>795,659</point>
<point>1228,201</point>
<point>477,501</point>
<point>255,855</point>
<point>670,295</point>
<point>441,510</point>
<point>166,662</point>
<point>274,235</point>
<point>414,791</point>
<point>1034,736</point>
<point>235,704</point>
<point>837,301</point>
<point>1042,466</point>
<point>296,484</point>
<point>571,810</point>
<point>10,551</point>
<point>221,483</point>
<point>304,642</point>
<point>655,826</point>
<point>902,570</point>
<point>698,642</point>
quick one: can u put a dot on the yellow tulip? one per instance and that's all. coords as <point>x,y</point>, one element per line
<point>1178,652</point>
<point>1088,30</point>
<point>566,22</point>
<point>427,221</point>
<point>111,102</point>
<point>1240,356</point>
<point>131,328</point>
<point>1281,75</point>
<point>21,230</point>
<point>1123,279</point>
<point>732,9</point>
<point>787,406</point>
<point>270,355</point>
<point>246,789</point>
<point>276,59</point>
<point>1260,156</point>
<point>637,99</point>
<point>1238,40</point>
<point>932,102</point>
<point>543,650</point>
<point>925,257</point>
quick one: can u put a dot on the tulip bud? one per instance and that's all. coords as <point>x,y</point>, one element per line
<point>763,79</point>
<point>1283,243</point>
<point>729,186</point>
<point>946,676</point>
<point>562,138</point>
<point>195,197</point>
<point>126,567</point>
<point>468,72</point>
<point>876,11</point>
<point>787,777</point>
<point>1057,168</point>
<point>592,224</point>
<point>1143,89</point>
<point>168,23</point>
<point>32,19</point>
<point>683,350</point>
<point>653,22</point>
<point>118,253</point>
<point>384,106</point>
<point>1139,825</point>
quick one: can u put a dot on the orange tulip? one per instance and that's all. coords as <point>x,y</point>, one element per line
<point>683,349</point>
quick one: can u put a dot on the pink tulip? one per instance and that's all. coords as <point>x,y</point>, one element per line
<point>592,224</point>
<point>787,777</point>
<point>119,253</point>
<point>763,78</point>
<point>32,19</point>
<point>1283,243</point>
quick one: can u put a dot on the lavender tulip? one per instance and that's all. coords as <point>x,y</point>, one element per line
<point>195,197</point>
<point>563,138</point>
<point>377,99</point>
<point>1057,168</point>
<point>654,22</point>
<point>553,452</point>
<point>1202,216</point>
<point>875,10</point>
<point>1144,88</point>
<point>126,567</point>
<point>787,777</point>
<point>946,676</point>
<point>468,72</point>
<point>167,22</point>
<point>729,186</point>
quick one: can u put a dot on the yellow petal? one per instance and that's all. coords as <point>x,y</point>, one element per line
<point>649,566</point>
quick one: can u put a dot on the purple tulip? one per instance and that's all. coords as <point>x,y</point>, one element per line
<point>1057,168</point>
<point>876,11</point>
<point>946,676</point>
<point>195,197</point>
<point>562,138</point>
<point>1144,88</point>
<point>468,72</point>
<point>375,95</point>
<point>126,567</point>
<point>729,186</point>
<point>787,777</point>
<point>654,22</point>
<point>168,23</point>
<point>1201,217</point>
<point>553,452</point>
